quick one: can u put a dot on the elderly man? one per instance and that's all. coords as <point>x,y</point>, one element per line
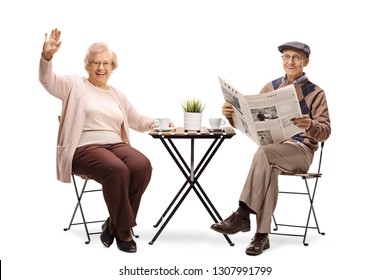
<point>260,192</point>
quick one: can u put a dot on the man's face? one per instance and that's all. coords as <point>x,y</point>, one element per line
<point>293,63</point>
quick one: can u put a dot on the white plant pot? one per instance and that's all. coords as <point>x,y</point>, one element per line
<point>192,121</point>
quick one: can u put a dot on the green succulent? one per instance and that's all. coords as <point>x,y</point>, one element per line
<point>193,105</point>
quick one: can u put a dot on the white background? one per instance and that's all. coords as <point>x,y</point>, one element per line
<point>168,51</point>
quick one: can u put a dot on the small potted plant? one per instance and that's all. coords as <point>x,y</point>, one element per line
<point>193,109</point>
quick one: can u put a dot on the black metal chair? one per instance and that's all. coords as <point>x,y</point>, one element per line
<point>310,191</point>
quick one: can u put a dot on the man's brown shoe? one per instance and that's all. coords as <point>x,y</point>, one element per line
<point>233,224</point>
<point>259,243</point>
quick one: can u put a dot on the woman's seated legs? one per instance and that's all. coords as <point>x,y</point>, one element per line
<point>124,174</point>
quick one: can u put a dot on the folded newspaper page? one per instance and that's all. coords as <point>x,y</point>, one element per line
<point>265,118</point>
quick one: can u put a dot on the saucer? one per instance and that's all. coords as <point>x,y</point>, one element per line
<point>164,129</point>
<point>216,129</point>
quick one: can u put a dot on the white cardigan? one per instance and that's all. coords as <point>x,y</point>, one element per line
<point>73,91</point>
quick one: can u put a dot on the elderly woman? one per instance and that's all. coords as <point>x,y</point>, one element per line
<point>93,137</point>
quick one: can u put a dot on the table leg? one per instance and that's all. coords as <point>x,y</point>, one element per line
<point>192,175</point>
<point>174,157</point>
<point>170,216</point>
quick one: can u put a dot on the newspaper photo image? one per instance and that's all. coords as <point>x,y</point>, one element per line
<point>265,118</point>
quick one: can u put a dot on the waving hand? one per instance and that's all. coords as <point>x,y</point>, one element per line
<point>51,44</point>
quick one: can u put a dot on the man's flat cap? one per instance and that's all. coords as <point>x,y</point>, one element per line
<point>296,46</point>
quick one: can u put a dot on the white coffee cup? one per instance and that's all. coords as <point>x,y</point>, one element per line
<point>162,123</point>
<point>216,123</point>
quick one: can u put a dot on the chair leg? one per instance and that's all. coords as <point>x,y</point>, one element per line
<point>78,206</point>
<point>135,235</point>
<point>275,223</point>
<point>311,210</point>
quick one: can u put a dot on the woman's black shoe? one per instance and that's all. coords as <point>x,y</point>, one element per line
<point>106,237</point>
<point>126,246</point>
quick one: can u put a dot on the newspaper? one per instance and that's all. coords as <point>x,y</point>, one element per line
<point>265,118</point>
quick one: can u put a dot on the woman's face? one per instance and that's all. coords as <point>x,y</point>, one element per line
<point>99,69</point>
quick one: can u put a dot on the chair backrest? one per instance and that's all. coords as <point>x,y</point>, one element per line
<point>320,159</point>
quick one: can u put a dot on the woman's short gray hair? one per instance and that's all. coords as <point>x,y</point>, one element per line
<point>99,48</point>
